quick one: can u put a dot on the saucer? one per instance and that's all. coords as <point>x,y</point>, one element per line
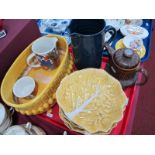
<point>120,44</point>
<point>116,23</point>
<point>133,42</point>
<point>134,30</point>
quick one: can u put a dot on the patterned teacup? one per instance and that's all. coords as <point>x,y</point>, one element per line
<point>44,52</point>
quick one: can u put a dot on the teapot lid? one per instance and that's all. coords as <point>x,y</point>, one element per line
<point>126,58</point>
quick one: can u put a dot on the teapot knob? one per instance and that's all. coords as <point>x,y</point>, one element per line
<point>128,53</point>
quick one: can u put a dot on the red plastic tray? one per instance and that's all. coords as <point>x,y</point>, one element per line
<point>123,127</point>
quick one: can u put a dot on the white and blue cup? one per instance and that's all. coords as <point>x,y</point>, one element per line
<point>44,53</point>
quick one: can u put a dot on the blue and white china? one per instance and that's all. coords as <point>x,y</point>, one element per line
<point>134,30</point>
<point>55,26</point>
<point>116,23</point>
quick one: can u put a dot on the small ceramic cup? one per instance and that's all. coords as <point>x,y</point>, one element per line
<point>25,87</point>
<point>44,53</point>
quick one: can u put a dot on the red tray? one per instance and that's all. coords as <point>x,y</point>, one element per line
<point>123,127</point>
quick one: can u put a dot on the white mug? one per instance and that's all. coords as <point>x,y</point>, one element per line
<point>24,87</point>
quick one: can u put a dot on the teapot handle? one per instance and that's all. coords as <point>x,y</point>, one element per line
<point>112,31</point>
<point>145,74</point>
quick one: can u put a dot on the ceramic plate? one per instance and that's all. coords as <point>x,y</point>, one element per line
<point>135,22</point>
<point>134,30</point>
<point>133,42</point>
<point>116,23</point>
<point>120,44</point>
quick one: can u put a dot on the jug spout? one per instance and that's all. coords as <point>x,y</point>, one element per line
<point>110,50</point>
<point>75,35</point>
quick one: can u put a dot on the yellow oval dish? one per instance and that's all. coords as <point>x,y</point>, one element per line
<point>120,44</point>
<point>45,97</point>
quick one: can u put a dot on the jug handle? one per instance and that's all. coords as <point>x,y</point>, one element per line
<point>112,31</point>
<point>145,74</point>
<point>110,50</point>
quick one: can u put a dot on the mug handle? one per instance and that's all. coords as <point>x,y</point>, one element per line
<point>28,61</point>
<point>145,74</point>
<point>112,31</point>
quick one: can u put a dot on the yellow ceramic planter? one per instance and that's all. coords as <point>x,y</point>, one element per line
<point>45,98</point>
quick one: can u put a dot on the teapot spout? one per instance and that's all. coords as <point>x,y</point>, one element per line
<point>111,51</point>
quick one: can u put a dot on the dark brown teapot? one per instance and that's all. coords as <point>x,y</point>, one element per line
<point>125,64</point>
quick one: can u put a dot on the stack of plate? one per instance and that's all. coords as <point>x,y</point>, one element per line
<point>5,118</point>
<point>91,101</point>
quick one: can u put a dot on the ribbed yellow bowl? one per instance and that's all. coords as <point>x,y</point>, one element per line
<point>46,98</point>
